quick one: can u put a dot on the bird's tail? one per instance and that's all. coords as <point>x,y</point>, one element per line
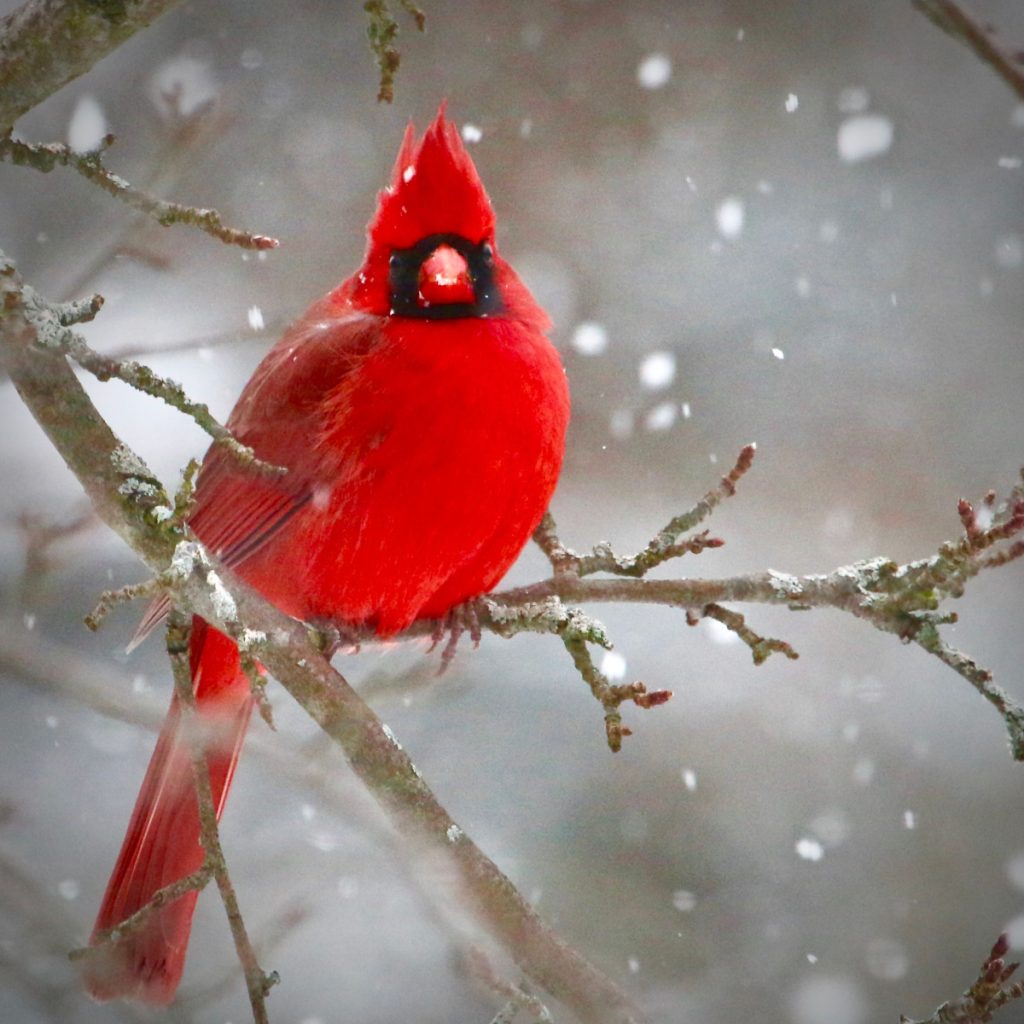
<point>162,844</point>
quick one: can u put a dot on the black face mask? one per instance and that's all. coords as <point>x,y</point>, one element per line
<point>404,278</point>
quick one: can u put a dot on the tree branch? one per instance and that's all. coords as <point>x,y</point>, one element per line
<point>991,991</point>
<point>381,30</point>
<point>257,983</point>
<point>45,157</point>
<point>898,599</point>
<point>664,546</point>
<point>102,463</point>
<point>52,325</point>
<point>955,20</point>
<point>195,882</point>
<point>45,44</point>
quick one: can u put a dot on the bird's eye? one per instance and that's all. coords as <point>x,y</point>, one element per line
<point>393,262</point>
<point>488,252</point>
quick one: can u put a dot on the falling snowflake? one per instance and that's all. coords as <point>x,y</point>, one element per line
<point>654,71</point>
<point>863,137</point>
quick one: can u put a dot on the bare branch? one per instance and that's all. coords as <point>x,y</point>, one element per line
<point>45,44</point>
<point>45,157</point>
<point>110,599</point>
<point>957,21</point>
<point>898,599</point>
<point>761,647</point>
<point>990,992</point>
<point>927,637</point>
<point>195,882</point>
<point>257,983</point>
<point>381,30</point>
<point>50,325</point>
<point>517,997</point>
<point>56,399</point>
<point>576,630</point>
<point>665,544</point>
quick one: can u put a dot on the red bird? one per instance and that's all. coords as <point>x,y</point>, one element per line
<point>421,413</point>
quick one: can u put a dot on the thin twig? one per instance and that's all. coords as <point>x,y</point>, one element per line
<point>576,630</point>
<point>517,997</point>
<point>381,30</point>
<point>760,647</point>
<point>111,599</point>
<point>990,991</point>
<point>258,686</point>
<point>665,544</point>
<point>927,637</point>
<point>52,324</point>
<point>281,927</point>
<point>257,983</point>
<point>179,133</point>
<point>46,156</point>
<point>195,882</point>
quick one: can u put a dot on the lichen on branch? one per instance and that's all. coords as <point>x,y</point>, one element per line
<point>46,156</point>
<point>904,600</point>
<point>381,31</point>
<point>44,44</point>
<point>52,327</point>
<point>57,400</point>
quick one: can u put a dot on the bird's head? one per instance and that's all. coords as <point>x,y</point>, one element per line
<point>431,252</point>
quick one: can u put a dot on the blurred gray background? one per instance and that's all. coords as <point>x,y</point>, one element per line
<point>798,223</point>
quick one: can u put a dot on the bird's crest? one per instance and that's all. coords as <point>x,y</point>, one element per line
<point>434,189</point>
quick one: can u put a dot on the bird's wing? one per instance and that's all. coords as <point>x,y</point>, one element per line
<point>237,509</point>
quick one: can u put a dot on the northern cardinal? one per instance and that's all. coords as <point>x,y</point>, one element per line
<point>421,413</point>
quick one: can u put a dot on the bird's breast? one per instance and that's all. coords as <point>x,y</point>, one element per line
<point>445,444</point>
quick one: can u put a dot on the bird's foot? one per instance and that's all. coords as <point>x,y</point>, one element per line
<point>463,618</point>
<point>331,636</point>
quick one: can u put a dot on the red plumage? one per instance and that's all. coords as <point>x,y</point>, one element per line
<point>421,413</point>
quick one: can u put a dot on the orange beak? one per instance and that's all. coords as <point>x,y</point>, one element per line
<point>445,278</point>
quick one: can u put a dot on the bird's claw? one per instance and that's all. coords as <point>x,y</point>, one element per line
<point>461,619</point>
<point>332,636</point>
